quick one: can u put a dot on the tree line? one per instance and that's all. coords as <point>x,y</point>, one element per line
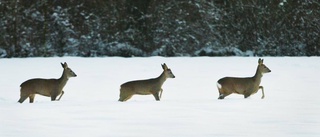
<point>90,28</point>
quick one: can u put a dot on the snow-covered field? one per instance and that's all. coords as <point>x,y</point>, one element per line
<point>189,105</point>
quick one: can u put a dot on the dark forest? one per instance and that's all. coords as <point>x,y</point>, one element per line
<point>91,28</point>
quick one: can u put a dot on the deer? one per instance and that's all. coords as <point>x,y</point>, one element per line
<point>246,86</point>
<point>146,87</point>
<point>46,87</point>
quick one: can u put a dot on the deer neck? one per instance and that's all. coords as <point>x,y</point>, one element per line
<point>162,78</point>
<point>63,80</point>
<point>257,77</point>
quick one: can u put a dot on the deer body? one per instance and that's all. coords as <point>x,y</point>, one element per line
<point>145,87</point>
<point>46,87</point>
<point>245,86</point>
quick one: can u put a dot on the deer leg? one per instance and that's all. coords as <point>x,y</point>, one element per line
<point>22,98</point>
<point>247,94</point>
<point>160,93</point>
<point>128,98</point>
<point>156,96</point>
<point>62,92</point>
<point>222,96</point>
<point>53,97</point>
<point>124,97</point>
<point>261,87</point>
<point>31,97</point>
<point>121,99</point>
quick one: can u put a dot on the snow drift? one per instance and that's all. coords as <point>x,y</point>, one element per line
<point>189,105</point>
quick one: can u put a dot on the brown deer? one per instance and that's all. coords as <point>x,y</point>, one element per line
<point>245,86</point>
<point>145,87</point>
<point>46,87</point>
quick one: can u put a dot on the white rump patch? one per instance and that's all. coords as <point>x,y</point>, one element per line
<point>219,85</point>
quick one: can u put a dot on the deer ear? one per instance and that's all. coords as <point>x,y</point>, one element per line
<point>260,61</point>
<point>164,66</point>
<point>65,65</point>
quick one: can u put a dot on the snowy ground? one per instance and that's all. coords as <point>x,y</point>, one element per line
<point>189,105</point>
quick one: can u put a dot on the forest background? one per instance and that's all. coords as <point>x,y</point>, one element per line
<point>91,28</point>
